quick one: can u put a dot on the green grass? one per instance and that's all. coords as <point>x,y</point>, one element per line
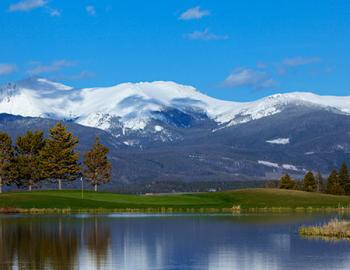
<point>245,198</point>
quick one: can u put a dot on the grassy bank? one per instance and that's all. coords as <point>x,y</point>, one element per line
<point>244,199</point>
<point>339,229</point>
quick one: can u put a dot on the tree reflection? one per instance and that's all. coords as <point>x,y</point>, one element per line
<point>98,238</point>
<point>50,243</point>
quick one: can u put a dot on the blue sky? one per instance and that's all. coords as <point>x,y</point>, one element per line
<point>234,50</point>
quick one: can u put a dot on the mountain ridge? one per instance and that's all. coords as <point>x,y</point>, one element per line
<point>137,104</point>
<point>165,131</point>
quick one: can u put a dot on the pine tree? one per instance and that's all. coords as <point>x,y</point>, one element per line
<point>344,179</point>
<point>59,160</point>
<point>333,185</point>
<point>310,182</point>
<point>27,161</point>
<point>6,158</point>
<point>286,182</point>
<point>97,167</point>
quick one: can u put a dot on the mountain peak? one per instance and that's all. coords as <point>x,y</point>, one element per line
<point>341,103</point>
<point>136,104</point>
<point>165,90</point>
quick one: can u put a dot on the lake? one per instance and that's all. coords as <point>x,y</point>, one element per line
<point>259,241</point>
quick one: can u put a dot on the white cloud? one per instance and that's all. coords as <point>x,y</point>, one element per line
<point>82,75</point>
<point>54,12</point>
<point>53,67</point>
<point>205,35</point>
<point>91,10</point>
<point>261,65</point>
<point>249,77</point>
<point>75,77</point>
<point>27,5</point>
<point>300,61</point>
<point>194,13</point>
<point>7,69</point>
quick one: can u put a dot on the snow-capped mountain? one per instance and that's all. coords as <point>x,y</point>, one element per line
<point>138,106</point>
<point>166,131</point>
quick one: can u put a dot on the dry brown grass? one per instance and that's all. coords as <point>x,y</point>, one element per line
<point>339,229</point>
<point>9,210</point>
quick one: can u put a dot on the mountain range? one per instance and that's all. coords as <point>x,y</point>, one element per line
<point>167,131</point>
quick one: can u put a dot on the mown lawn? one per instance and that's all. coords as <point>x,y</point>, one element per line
<point>245,198</point>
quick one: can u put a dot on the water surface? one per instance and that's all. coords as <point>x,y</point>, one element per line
<point>166,242</point>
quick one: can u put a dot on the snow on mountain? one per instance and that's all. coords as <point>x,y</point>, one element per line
<point>288,167</point>
<point>279,141</point>
<point>268,163</point>
<point>276,103</point>
<point>134,104</point>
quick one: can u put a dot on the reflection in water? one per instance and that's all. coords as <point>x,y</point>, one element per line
<point>98,239</point>
<point>105,242</point>
<point>44,243</point>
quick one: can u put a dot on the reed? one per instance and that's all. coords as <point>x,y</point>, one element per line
<point>335,228</point>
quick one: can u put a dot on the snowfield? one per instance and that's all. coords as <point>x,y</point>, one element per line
<point>134,103</point>
<point>279,141</point>
<point>268,163</point>
<point>287,167</point>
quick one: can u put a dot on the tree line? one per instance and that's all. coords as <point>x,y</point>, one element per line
<point>338,182</point>
<point>35,159</point>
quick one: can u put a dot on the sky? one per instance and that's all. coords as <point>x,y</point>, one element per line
<point>228,49</point>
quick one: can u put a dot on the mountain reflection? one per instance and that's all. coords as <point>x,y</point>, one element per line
<point>49,243</point>
<point>144,242</point>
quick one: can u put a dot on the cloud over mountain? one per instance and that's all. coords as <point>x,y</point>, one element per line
<point>53,67</point>
<point>7,69</point>
<point>249,77</point>
<point>194,13</point>
<point>300,61</point>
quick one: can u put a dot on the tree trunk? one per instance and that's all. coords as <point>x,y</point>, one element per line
<point>95,188</point>
<point>30,187</point>
<point>59,184</point>
<point>0,184</point>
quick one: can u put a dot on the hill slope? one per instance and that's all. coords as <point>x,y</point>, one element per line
<point>245,198</point>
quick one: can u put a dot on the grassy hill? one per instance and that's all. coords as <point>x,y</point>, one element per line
<point>245,198</point>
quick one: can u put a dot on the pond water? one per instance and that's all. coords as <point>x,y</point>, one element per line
<point>144,242</point>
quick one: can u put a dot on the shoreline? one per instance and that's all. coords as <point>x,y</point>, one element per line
<point>169,210</point>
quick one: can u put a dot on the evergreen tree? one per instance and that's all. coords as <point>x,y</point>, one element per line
<point>344,179</point>
<point>27,161</point>
<point>319,182</point>
<point>97,167</point>
<point>59,160</point>
<point>309,182</point>
<point>333,185</point>
<point>286,182</point>
<point>6,158</point>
